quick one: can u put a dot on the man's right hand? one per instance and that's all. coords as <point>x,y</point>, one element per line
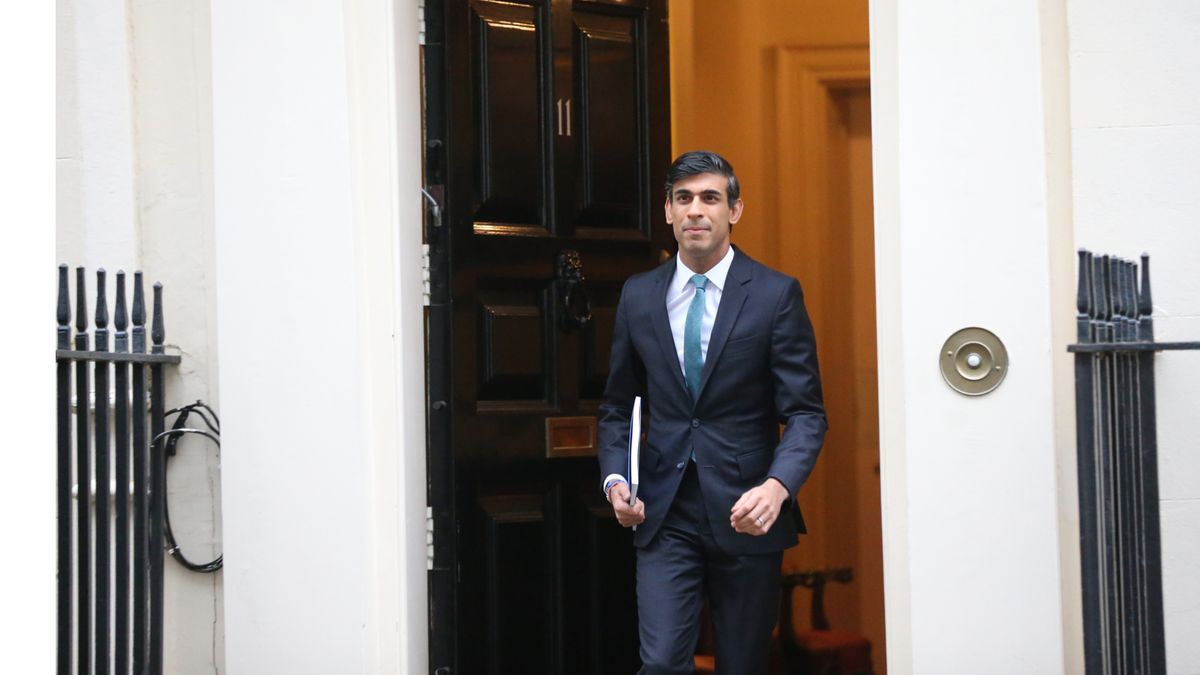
<point>627,515</point>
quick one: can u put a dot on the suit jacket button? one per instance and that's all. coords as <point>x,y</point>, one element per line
<point>679,465</point>
<point>695,424</point>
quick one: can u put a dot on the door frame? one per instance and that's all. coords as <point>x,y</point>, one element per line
<point>971,152</point>
<point>441,518</point>
<point>902,375</point>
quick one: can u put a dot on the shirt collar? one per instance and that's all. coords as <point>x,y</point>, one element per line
<point>716,275</point>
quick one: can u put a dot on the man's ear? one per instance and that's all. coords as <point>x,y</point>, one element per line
<point>667,210</point>
<point>735,212</point>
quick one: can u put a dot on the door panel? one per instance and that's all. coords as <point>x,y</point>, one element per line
<point>610,98</point>
<point>509,71</point>
<point>599,603</point>
<point>519,583</point>
<point>513,356</point>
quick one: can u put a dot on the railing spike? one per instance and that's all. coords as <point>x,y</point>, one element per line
<point>1111,321</point>
<point>1081,297</point>
<point>139,315</point>
<point>120,315</point>
<point>1114,287</point>
<point>1091,284</point>
<point>139,301</point>
<point>1145,305</point>
<point>1128,289</point>
<point>101,310</point>
<point>1123,287</point>
<point>64,308</point>
<point>158,332</point>
<point>1129,270</point>
<point>81,317</point>
<point>1117,279</point>
<point>1105,298</point>
<point>1129,299</point>
<point>1132,290</point>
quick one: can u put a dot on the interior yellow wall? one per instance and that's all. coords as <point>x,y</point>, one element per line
<point>722,72</point>
<point>723,95</point>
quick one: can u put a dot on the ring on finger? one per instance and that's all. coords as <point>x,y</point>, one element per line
<point>759,520</point>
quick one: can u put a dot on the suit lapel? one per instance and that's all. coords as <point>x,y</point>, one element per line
<point>733,296</point>
<point>662,324</point>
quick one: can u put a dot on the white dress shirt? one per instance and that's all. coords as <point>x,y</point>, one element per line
<point>679,299</point>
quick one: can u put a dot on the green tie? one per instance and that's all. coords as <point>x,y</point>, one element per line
<point>693,358</point>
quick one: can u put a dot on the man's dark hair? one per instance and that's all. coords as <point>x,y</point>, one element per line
<point>702,161</point>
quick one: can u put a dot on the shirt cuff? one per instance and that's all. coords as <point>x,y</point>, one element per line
<point>610,480</point>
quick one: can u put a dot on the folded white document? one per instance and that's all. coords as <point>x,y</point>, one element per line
<point>635,440</point>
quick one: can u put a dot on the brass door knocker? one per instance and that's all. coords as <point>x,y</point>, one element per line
<point>568,280</point>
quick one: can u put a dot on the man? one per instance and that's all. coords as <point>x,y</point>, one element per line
<point>722,351</point>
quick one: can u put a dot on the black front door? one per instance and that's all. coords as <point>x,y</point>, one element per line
<point>547,140</point>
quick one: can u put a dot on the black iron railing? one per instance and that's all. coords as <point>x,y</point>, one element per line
<point>110,556</point>
<point>1118,467</point>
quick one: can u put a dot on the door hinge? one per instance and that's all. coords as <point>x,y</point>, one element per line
<point>428,537</point>
<point>420,22</point>
<point>426,293</point>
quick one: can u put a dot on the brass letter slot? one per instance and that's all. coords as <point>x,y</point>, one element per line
<point>570,437</point>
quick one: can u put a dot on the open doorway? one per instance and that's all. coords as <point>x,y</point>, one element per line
<point>782,88</point>
<point>547,134</point>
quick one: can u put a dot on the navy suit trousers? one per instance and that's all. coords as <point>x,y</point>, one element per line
<point>680,567</point>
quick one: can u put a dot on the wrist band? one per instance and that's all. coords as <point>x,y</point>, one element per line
<point>609,486</point>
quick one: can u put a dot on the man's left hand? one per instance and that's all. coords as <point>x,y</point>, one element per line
<point>756,511</point>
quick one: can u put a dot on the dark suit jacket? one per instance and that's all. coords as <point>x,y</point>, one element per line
<point>760,372</point>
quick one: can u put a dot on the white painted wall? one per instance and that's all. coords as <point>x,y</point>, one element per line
<point>966,236</point>
<point>134,172</point>
<point>1135,117</point>
<point>97,226</point>
<point>28,579</point>
<point>316,158</point>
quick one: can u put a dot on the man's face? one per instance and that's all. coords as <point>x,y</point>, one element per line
<point>699,213</point>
